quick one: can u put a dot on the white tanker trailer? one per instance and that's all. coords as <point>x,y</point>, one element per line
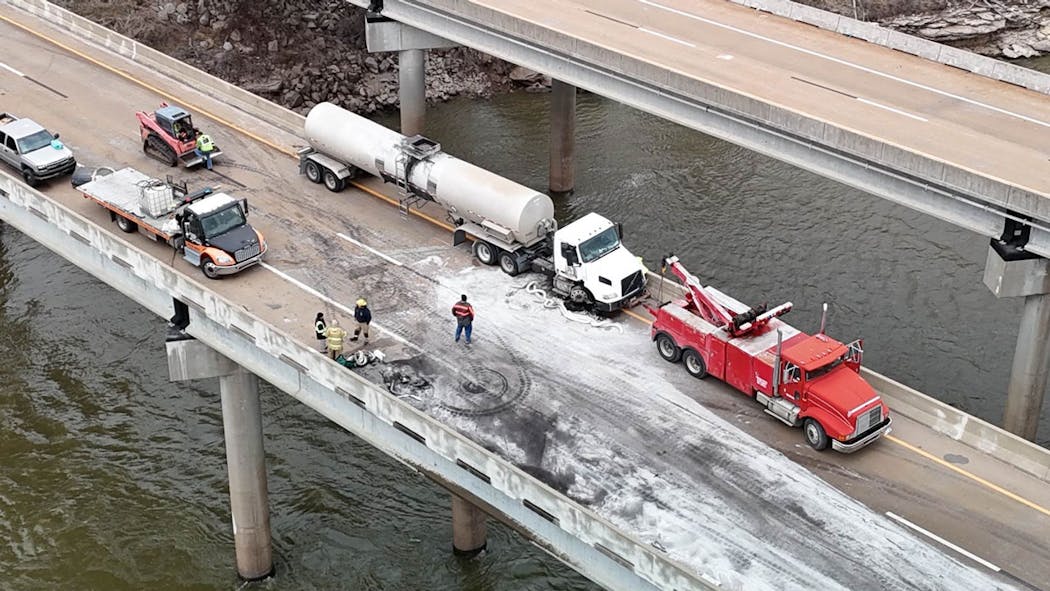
<point>513,225</point>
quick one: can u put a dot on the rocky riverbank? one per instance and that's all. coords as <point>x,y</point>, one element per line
<point>301,52</point>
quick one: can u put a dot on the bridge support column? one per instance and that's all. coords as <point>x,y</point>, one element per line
<point>1013,272</point>
<point>563,137</point>
<point>412,91</point>
<point>385,34</point>
<point>245,459</point>
<point>469,532</point>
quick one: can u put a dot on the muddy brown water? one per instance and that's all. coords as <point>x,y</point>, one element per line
<point>112,478</point>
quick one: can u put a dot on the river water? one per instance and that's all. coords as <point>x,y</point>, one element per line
<point>111,478</point>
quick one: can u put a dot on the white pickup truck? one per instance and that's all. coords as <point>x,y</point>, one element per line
<point>32,150</point>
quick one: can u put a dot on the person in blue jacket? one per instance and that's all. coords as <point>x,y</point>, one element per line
<point>363,316</point>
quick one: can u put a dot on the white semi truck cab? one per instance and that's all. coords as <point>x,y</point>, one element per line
<point>593,267</point>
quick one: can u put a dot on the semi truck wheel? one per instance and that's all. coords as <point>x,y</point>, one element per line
<point>485,252</point>
<point>126,225</point>
<point>209,269</point>
<point>667,349</point>
<point>509,264</point>
<point>332,182</point>
<point>815,435</point>
<point>694,364</point>
<point>313,171</point>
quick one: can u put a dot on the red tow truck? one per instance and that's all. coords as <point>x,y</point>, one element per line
<point>817,385</point>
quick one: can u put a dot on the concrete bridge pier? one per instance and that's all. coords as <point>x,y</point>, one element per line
<point>189,359</point>
<point>1012,272</point>
<point>385,34</point>
<point>563,137</point>
<point>469,531</point>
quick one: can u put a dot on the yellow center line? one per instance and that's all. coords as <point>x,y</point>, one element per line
<point>971,476</point>
<point>293,154</point>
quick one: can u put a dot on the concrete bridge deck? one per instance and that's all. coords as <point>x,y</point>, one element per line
<point>689,467</point>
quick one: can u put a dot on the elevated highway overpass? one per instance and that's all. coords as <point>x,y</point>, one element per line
<point>634,474</point>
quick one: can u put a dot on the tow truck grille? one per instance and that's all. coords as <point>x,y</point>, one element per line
<point>868,420</point>
<point>247,252</point>
<point>632,283</point>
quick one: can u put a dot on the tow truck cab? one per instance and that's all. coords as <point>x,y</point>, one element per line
<point>821,377</point>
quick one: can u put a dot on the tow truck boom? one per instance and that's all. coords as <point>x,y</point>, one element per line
<point>710,310</point>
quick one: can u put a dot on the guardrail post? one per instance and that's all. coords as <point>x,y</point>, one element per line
<point>469,532</point>
<point>1013,272</point>
<point>563,137</point>
<point>245,458</point>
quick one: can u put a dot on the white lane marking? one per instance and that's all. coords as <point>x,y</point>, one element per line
<point>846,63</point>
<point>668,37</point>
<point>725,56</point>
<point>12,70</point>
<point>345,309</point>
<point>933,536</point>
<point>369,249</point>
<point>897,111</point>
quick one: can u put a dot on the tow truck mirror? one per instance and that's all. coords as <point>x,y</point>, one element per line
<point>244,206</point>
<point>569,252</point>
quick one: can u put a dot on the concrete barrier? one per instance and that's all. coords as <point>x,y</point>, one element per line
<point>931,50</point>
<point>938,416</point>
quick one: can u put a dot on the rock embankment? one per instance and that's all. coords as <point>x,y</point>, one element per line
<point>301,52</point>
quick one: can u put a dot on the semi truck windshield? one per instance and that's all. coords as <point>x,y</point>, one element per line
<point>598,246</point>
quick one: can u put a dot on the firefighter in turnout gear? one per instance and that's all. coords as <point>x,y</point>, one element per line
<point>334,335</point>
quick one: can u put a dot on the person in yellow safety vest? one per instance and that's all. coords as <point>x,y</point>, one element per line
<point>334,335</point>
<point>204,148</point>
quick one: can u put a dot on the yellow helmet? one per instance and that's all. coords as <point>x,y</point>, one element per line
<point>361,302</point>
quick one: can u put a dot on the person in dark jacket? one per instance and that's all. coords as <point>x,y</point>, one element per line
<point>363,316</point>
<point>319,326</point>
<point>464,314</point>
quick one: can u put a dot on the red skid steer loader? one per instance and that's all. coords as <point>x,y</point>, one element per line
<point>168,135</point>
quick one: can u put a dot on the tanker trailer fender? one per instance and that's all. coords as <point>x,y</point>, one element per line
<point>320,167</point>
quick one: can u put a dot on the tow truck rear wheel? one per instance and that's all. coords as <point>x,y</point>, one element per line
<point>509,263</point>
<point>694,364</point>
<point>485,252</point>
<point>210,270</point>
<point>332,182</point>
<point>313,171</point>
<point>667,349</point>
<point>815,435</point>
<point>126,225</point>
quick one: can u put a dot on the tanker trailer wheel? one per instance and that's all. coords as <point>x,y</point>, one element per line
<point>485,252</point>
<point>667,349</point>
<point>126,225</point>
<point>332,182</point>
<point>694,364</point>
<point>815,435</point>
<point>313,171</point>
<point>509,263</point>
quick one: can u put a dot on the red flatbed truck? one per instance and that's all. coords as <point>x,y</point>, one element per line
<point>818,385</point>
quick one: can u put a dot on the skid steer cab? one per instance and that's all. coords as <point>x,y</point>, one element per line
<point>168,135</point>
